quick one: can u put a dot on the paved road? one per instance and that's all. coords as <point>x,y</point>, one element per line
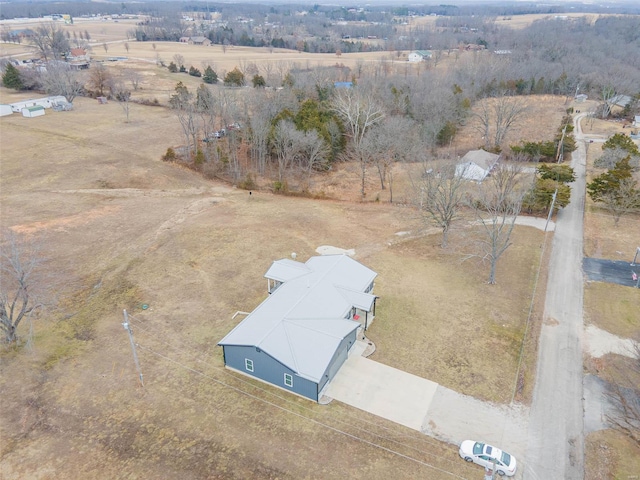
<point>556,425</point>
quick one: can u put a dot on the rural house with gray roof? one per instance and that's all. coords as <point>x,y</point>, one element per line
<point>300,335</point>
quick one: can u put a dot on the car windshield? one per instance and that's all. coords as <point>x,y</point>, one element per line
<point>506,458</point>
<point>477,448</point>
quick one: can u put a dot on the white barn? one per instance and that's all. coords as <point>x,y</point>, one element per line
<point>5,110</point>
<point>476,165</point>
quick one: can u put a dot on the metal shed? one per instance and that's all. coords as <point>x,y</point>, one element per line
<point>299,337</point>
<point>31,112</point>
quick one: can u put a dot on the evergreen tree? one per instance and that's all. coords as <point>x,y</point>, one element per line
<point>258,81</point>
<point>234,78</point>
<point>12,78</point>
<point>608,184</point>
<point>210,76</point>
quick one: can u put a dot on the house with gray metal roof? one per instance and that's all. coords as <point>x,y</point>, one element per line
<point>301,334</point>
<point>476,165</point>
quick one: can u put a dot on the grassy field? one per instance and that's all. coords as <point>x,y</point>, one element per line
<point>123,229</point>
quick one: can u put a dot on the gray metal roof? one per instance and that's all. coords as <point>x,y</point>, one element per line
<point>481,158</point>
<point>301,324</point>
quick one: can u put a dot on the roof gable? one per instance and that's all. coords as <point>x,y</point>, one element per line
<point>481,158</point>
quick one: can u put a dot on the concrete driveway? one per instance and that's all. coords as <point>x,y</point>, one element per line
<point>382,390</point>
<point>423,405</point>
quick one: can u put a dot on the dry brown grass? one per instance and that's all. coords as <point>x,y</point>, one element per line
<point>540,123</point>
<point>123,228</point>
<point>522,21</point>
<point>609,455</point>
<point>613,308</point>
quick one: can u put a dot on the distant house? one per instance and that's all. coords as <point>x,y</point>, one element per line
<point>199,41</point>
<point>299,337</point>
<point>343,84</point>
<point>78,55</point>
<point>476,165</point>
<point>581,98</point>
<point>184,40</point>
<point>22,34</point>
<point>636,121</point>
<point>502,52</point>
<point>419,56</point>
<point>5,110</point>
<point>619,101</point>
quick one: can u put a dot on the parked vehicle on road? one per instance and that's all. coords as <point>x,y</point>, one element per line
<point>487,456</point>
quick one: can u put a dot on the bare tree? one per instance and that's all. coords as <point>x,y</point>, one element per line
<point>60,79</point>
<point>100,79</point>
<point>183,104</point>
<point>20,289</point>
<point>123,96</point>
<point>285,142</point>
<point>439,196</point>
<point>313,153</point>
<point>126,46</point>
<point>394,139</point>
<point>50,41</point>
<point>134,77</point>
<point>495,117</point>
<point>496,207</point>
<point>106,47</point>
<point>623,200</point>
<point>624,396</point>
<point>178,60</point>
<point>360,112</point>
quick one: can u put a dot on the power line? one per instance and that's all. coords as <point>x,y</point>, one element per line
<point>317,422</point>
<point>421,438</point>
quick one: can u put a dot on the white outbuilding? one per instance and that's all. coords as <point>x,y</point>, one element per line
<point>5,110</point>
<point>31,112</point>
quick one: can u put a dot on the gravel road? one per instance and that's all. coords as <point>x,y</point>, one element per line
<point>556,425</point>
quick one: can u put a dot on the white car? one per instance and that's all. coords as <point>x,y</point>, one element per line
<point>486,455</point>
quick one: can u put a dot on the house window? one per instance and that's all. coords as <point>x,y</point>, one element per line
<point>248,364</point>
<point>288,380</point>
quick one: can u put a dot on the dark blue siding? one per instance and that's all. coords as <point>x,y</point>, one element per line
<point>268,369</point>
<point>338,358</point>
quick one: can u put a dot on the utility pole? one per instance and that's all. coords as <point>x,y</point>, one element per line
<point>560,152</point>
<point>127,327</point>
<point>553,203</point>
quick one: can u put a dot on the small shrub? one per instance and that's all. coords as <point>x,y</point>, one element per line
<point>248,183</point>
<point>280,187</point>
<point>170,155</point>
<point>199,157</point>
